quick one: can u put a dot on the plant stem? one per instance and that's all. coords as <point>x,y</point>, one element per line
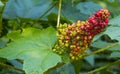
<point>1,12</point>
<point>103,67</point>
<point>59,9</point>
<point>12,67</point>
<point>100,50</point>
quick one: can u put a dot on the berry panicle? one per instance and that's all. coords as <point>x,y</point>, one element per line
<point>75,39</point>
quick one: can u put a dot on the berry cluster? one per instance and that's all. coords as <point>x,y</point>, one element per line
<point>75,39</point>
<point>97,22</point>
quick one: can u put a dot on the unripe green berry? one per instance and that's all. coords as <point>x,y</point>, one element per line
<point>54,50</point>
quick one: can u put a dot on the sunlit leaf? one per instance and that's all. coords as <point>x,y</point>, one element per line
<point>34,46</point>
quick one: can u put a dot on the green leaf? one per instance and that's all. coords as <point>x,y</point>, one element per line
<point>115,48</point>
<point>100,44</point>
<point>34,46</point>
<point>65,69</point>
<point>77,66</point>
<point>3,42</point>
<point>97,37</point>
<point>115,55</point>
<point>88,8</point>
<point>26,8</point>
<point>114,30</point>
<point>79,11</point>
<point>3,60</point>
<point>1,4</point>
<point>90,59</point>
<point>115,21</point>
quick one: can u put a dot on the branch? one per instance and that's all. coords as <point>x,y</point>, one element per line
<point>104,67</point>
<point>59,9</point>
<point>100,50</point>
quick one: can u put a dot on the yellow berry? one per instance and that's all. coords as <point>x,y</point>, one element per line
<point>76,58</point>
<point>57,34</point>
<point>78,37</point>
<point>60,42</point>
<point>60,52</point>
<point>66,41</point>
<point>74,33</point>
<point>81,43</point>
<point>72,46</point>
<point>63,33</point>
<point>80,56</point>
<point>65,25</point>
<point>73,57</point>
<point>66,44</point>
<point>61,37</point>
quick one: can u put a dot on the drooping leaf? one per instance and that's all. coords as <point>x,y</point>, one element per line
<point>26,8</point>
<point>114,30</point>
<point>34,46</point>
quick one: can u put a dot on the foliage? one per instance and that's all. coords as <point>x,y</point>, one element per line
<point>28,36</point>
<point>32,44</point>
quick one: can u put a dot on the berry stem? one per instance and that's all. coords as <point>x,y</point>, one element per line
<point>59,9</point>
<point>101,50</point>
